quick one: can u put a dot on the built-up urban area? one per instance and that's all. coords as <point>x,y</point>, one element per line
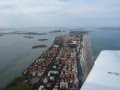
<point>64,66</point>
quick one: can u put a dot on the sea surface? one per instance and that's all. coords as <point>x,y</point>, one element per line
<point>16,52</point>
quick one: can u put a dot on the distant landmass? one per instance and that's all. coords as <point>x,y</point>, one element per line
<point>28,37</point>
<point>39,46</point>
<point>56,31</point>
<point>42,39</point>
<point>26,33</point>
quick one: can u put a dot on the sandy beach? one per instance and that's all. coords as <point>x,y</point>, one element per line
<point>86,56</point>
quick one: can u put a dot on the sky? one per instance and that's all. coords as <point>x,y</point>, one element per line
<point>59,13</point>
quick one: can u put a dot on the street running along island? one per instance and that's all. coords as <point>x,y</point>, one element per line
<point>64,66</point>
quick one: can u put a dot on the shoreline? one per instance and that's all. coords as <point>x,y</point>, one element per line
<point>87,63</point>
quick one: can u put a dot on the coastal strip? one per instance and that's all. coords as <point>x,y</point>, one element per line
<point>85,56</point>
<point>64,65</point>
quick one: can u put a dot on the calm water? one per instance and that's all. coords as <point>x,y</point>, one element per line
<point>16,53</point>
<point>104,40</point>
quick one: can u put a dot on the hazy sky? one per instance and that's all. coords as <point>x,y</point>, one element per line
<point>68,13</point>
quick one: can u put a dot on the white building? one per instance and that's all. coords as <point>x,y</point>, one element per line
<point>105,74</point>
<point>63,85</point>
<point>41,87</point>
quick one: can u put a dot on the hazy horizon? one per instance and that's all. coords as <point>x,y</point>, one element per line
<point>59,13</point>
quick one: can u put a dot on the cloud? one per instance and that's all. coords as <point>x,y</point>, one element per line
<point>27,7</point>
<point>62,12</point>
<point>44,6</point>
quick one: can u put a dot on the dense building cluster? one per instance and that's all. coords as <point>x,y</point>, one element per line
<point>37,70</point>
<point>63,75</point>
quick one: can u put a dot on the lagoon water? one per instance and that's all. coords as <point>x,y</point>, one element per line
<point>16,53</point>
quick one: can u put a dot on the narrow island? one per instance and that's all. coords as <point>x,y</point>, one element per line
<point>28,37</point>
<point>64,66</point>
<point>39,46</point>
<point>34,33</point>
<point>26,33</point>
<point>42,39</point>
<point>55,31</point>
